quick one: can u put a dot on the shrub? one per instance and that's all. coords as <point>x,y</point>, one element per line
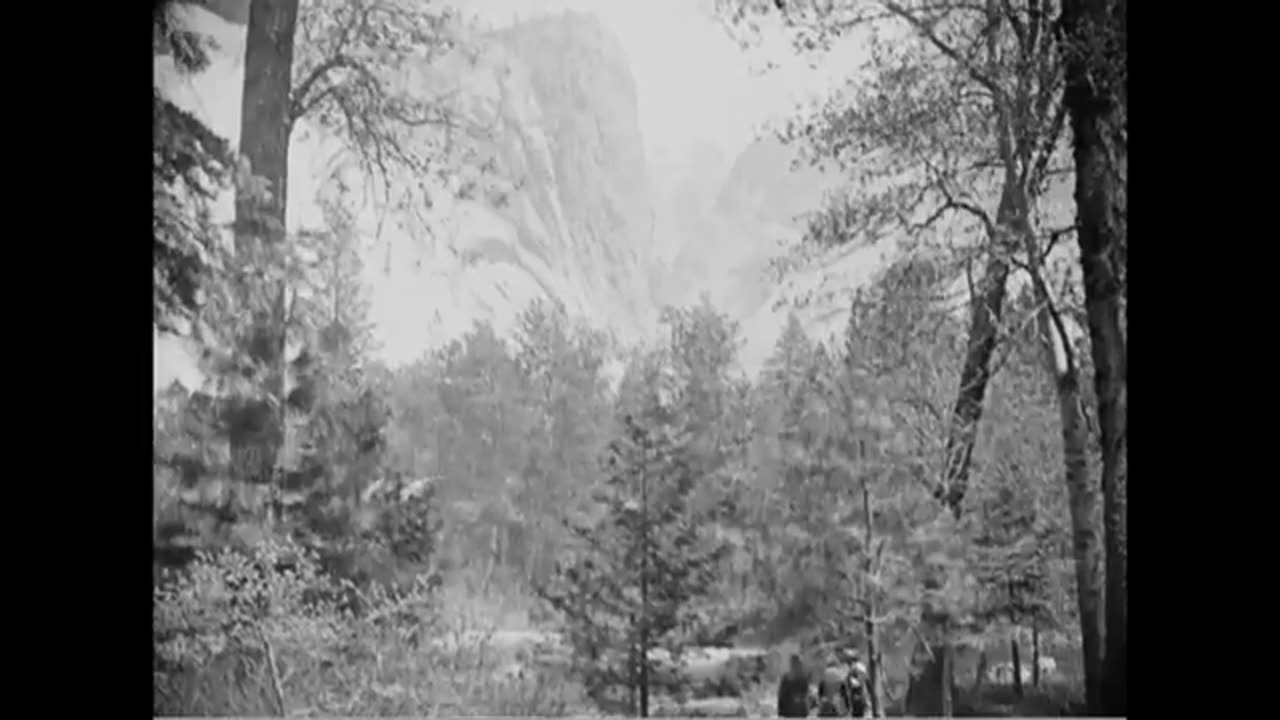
<point>259,633</point>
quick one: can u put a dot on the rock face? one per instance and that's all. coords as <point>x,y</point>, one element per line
<point>581,78</point>
<point>575,226</point>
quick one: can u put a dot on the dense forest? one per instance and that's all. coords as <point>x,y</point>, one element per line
<point>550,522</point>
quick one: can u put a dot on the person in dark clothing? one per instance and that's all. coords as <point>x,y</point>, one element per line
<point>793,691</point>
<point>857,682</point>
<point>833,691</point>
<point>842,691</point>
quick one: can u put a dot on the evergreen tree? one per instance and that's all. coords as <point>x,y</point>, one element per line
<point>191,165</point>
<point>644,560</point>
<point>706,398</point>
<point>792,356</point>
<point>560,364</point>
<point>785,385</point>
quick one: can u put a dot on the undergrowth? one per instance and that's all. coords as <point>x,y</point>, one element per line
<point>265,633</point>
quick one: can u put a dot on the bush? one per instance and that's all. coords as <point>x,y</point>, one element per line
<point>260,633</point>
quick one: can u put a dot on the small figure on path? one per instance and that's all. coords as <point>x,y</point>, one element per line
<point>857,682</point>
<point>793,690</point>
<point>833,691</point>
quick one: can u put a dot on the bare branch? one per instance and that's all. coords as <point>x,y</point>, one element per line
<point>925,404</point>
<point>354,27</point>
<point>967,207</point>
<point>1054,236</point>
<point>1032,266</point>
<point>1035,25</point>
<point>968,275</point>
<point>397,113</point>
<point>1040,165</point>
<point>1058,325</point>
<point>927,32</point>
<point>277,690</point>
<point>300,105</point>
<point>1019,30</point>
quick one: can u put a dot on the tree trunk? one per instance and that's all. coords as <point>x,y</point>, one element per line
<point>644,591</point>
<point>948,670</point>
<point>265,126</point>
<point>264,118</point>
<point>633,669</point>
<point>986,312</point>
<point>495,556</point>
<point>868,604</point>
<point>882,693</point>
<point>1096,55</point>
<point>1082,494</point>
<point>1015,654</point>
<point>1035,654</point>
<point>984,322</point>
<point>981,676</point>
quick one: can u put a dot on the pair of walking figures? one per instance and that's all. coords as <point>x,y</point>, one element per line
<point>841,689</point>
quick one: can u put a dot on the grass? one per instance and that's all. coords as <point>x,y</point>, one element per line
<point>390,678</point>
<point>1048,700</point>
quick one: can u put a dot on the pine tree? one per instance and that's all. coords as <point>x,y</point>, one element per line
<point>480,442</point>
<point>191,165</point>
<point>792,356</point>
<point>642,563</point>
<point>701,353</point>
<point>560,364</point>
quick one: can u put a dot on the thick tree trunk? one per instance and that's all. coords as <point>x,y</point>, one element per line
<point>1096,56</point>
<point>1082,496</point>
<point>265,126</point>
<point>264,118</point>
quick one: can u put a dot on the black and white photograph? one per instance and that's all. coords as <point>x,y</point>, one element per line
<point>640,358</point>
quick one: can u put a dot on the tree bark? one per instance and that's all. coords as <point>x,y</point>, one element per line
<point>984,322</point>
<point>1082,493</point>
<point>1035,653</point>
<point>948,670</point>
<point>1015,653</point>
<point>981,675</point>
<point>265,126</point>
<point>1096,55</point>
<point>868,604</point>
<point>1082,496</point>
<point>264,118</point>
